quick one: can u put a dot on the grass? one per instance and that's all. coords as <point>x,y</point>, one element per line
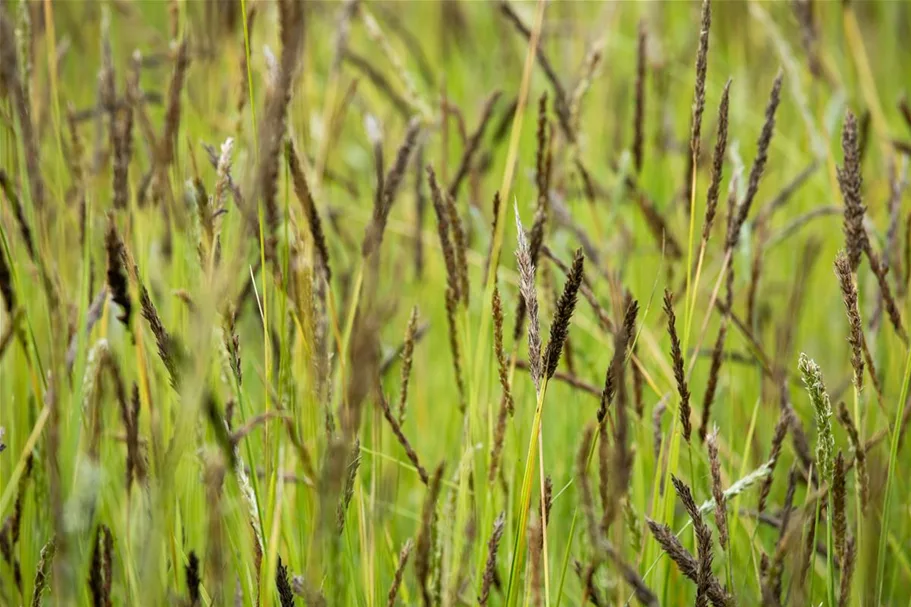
<point>225,426</point>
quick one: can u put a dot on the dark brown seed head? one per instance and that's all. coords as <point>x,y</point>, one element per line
<point>459,239</point>
<point>422,558</point>
<point>96,578</point>
<point>274,122</point>
<point>25,229</point>
<point>304,196</point>
<point>781,430</point>
<point>502,365</point>
<point>490,569</point>
<point>407,360</point>
<point>283,584</point>
<point>687,563</point>
<point>677,355</point>
<point>354,462</point>
<point>856,334</point>
<point>839,518</point>
<point>541,151</point>
<point>762,154</point>
<point>455,347</point>
<point>6,283</point>
<point>701,67</point>
<point>704,576</point>
<point>400,435</point>
<point>399,572</point>
<point>721,142</point>
<point>714,374</point>
<point>443,229</point>
<point>17,87</point>
<point>172,113</point>
<point>390,187</point>
<point>559,328</point>
<point>848,561</point>
<point>122,136</point>
<point>170,350</point>
<point>721,517</point>
<point>622,339</point>
<point>192,575</point>
<point>473,144</point>
<point>850,182</point>
<point>639,119</point>
<point>117,272</point>
<point>672,546</point>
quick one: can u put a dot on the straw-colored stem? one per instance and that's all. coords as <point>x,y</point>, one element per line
<point>518,557</point>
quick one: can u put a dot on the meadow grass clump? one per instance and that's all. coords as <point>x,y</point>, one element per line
<point>263,341</point>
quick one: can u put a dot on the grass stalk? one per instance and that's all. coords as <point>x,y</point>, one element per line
<point>890,480</point>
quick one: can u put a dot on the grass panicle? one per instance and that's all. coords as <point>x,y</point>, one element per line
<point>621,346</point>
<point>490,568</point>
<point>703,541</point>
<point>402,439</point>
<point>122,145</point>
<point>712,384</point>
<point>856,334</point>
<point>850,182</point>
<point>305,197</point>
<point>272,126</point>
<point>500,351</point>
<point>542,181</point>
<point>721,142</point>
<point>848,563</point>
<point>677,355</point>
<point>283,585</point>
<point>15,85</point>
<point>22,222</point>
<point>506,408</point>
<point>168,141</point>
<point>530,296</point>
<point>839,514</point>
<point>354,462</point>
<point>781,431</point>
<point>459,240</point>
<point>387,191</point>
<point>191,573</point>
<point>407,361</point>
<point>819,398</point>
<point>891,305</point>
<point>404,553</point>
<point>559,327</point>
<point>6,284</point>
<point>42,571</point>
<point>425,541</point>
<point>721,517</point>
<point>473,144</point>
<point>686,562</point>
<point>444,230</point>
<point>639,108</point>
<point>420,203</point>
<point>699,91</point>
<point>758,168</point>
<point>117,273</point>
